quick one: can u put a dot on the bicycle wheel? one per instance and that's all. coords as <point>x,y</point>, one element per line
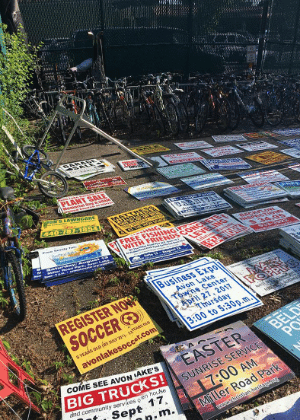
<point>29,149</point>
<point>157,120</point>
<point>201,115</point>
<point>235,113</point>
<point>273,108</point>
<point>15,286</point>
<point>172,118</point>
<point>52,184</point>
<point>184,124</point>
<point>222,116</point>
<point>256,113</point>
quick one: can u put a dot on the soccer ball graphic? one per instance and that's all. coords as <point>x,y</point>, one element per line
<point>130,318</point>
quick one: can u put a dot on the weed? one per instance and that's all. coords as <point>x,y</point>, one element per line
<point>114,281</point>
<point>120,262</point>
<point>40,244</point>
<point>215,255</point>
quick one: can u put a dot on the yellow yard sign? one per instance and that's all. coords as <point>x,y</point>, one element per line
<point>268,157</point>
<point>69,226</point>
<point>150,148</point>
<point>135,220</point>
<point>101,334</point>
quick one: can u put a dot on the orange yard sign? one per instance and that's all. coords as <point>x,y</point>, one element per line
<point>268,157</point>
<point>101,334</point>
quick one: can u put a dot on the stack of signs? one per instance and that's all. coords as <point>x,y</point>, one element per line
<point>256,145</point>
<point>222,151</point>
<point>102,334</point>
<point>77,203</point>
<point>200,294</point>
<point>268,272</point>
<point>290,238</point>
<point>60,264</point>
<point>295,143</point>
<point>213,231</point>
<point>201,182</point>
<point>282,326</point>
<point>282,409</point>
<point>230,164</point>
<point>85,169</point>
<point>146,393</point>
<point>153,245</point>
<point>292,188</point>
<point>104,183</point>
<point>197,144</point>
<point>176,171</point>
<point>151,190</point>
<point>225,138</point>
<point>224,368</point>
<point>268,175</point>
<point>69,226</point>
<point>133,164</point>
<point>268,157</point>
<point>133,221</point>
<point>196,204</point>
<point>293,152</point>
<point>261,220</point>
<point>250,195</point>
<point>176,158</point>
<point>150,148</point>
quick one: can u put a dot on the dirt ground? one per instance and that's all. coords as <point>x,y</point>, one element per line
<point>35,342</point>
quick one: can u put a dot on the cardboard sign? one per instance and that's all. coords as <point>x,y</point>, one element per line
<point>268,272</point>
<point>287,132</point>
<point>101,334</point>
<point>144,393</point>
<point>222,151</point>
<point>282,409</point>
<point>293,152</point>
<point>196,204</point>
<point>268,157</point>
<point>135,220</point>
<point>149,148</point>
<point>257,145</point>
<point>224,368</point>
<point>69,226</point>
<point>85,168</point>
<point>230,164</point>
<point>77,203</point>
<point>183,169</point>
<point>249,195</point>
<point>198,144</point>
<point>292,188</point>
<point>182,158</point>
<point>133,164</point>
<point>151,190</point>
<point>71,260</point>
<point>267,218</point>
<point>200,182</point>
<point>231,137</point>
<point>201,296</point>
<point>213,231</point>
<point>160,244</point>
<point>291,142</point>
<point>282,326</point>
<point>267,175</point>
<point>104,183</point>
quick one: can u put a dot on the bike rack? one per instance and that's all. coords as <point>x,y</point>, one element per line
<point>81,120</point>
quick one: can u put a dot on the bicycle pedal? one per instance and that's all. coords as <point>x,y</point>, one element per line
<point>49,163</point>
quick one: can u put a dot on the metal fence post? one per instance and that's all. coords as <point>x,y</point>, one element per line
<point>262,37</point>
<point>190,38</point>
<point>295,38</point>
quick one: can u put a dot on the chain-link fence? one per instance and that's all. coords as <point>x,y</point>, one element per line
<point>152,36</point>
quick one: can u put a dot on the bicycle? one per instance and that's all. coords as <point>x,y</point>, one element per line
<point>11,255</point>
<point>51,183</point>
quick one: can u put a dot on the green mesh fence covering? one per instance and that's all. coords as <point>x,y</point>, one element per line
<point>151,36</point>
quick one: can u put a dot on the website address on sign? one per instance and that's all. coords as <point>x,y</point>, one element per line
<point>118,349</point>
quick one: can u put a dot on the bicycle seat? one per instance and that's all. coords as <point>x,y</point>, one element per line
<point>7,193</point>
